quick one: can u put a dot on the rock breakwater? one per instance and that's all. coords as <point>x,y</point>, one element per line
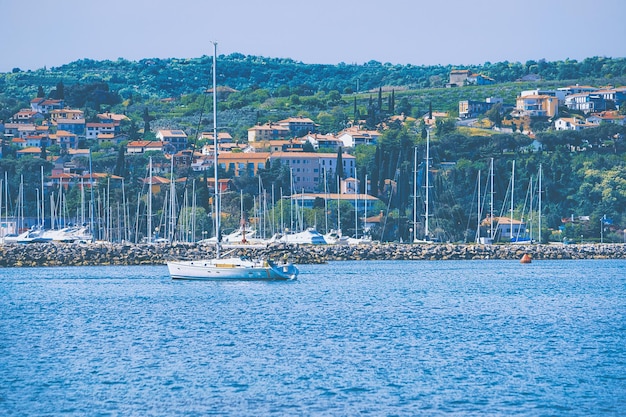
<point>48,254</point>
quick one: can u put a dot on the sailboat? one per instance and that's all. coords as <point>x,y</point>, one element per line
<point>231,268</point>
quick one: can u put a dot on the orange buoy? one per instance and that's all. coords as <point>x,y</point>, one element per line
<point>526,259</point>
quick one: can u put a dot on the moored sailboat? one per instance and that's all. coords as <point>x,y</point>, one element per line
<point>232,268</point>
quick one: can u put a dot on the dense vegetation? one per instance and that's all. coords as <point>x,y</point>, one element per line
<point>584,172</point>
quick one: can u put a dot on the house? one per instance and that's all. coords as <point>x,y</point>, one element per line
<point>112,118</point>
<point>268,131</point>
<point>27,116</point>
<point>537,106</point>
<point>299,125</point>
<point>507,229</point>
<point>353,136</point>
<point>373,221</point>
<point>458,78</point>
<point>111,138</point>
<point>69,163</point>
<point>242,163</point>
<point>63,179</point>
<point>95,129</point>
<point>577,89</point>
<point>72,114</point>
<point>45,105</point>
<point>323,141</point>
<point>65,140</point>
<point>349,185</point>
<point>480,79</point>
<point>20,130</point>
<point>29,151</point>
<point>93,178</point>
<point>19,142</point>
<point>223,184</point>
<point>208,149</point>
<point>571,123</point>
<point>37,141</point>
<point>614,97</point>
<point>142,146</point>
<point>308,168</point>
<point>73,125</point>
<point>560,94</point>
<point>222,137</point>
<point>607,117</point>
<point>183,158</point>
<point>202,163</point>
<point>471,108</point>
<point>290,145</point>
<point>586,102</point>
<point>177,138</point>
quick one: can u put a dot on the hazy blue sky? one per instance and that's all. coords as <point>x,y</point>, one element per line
<point>38,33</point>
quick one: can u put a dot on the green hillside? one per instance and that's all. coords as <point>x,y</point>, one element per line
<point>584,172</point>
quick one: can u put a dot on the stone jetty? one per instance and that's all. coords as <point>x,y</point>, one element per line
<point>50,254</point>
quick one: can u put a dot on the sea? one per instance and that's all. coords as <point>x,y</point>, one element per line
<point>351,338</point>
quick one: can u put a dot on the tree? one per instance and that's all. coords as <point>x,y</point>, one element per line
<point>340,172</point>
<point>308,147</point>
<point>120,164</point>
<point>375,172</point>
<point>494,115</point>
<point>146,121</point>
<point>60,91</point>
<point>40,92</point>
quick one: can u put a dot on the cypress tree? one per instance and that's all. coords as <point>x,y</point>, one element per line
<point>375,171</point>
<point>120,164</point>
<point>40,93</point>
<point>60,91</point>
<point>340,172</point>
<point>380,98</point>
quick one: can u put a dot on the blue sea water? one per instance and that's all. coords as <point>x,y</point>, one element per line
<point>389,338</point>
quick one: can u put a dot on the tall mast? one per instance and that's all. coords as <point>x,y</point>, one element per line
<point>172,201</point>
<point>338,205</point>
<point>365,207</point>
<point>149,218</point>
<point>325,202</point>
<point>92,202</point>
<point>356,205</point>
<point>539,232</point>
<point>414,194</point>
<point>217,189</point>
<point>426,231</point>
<point>512,190</point>
<point>491,202</point>
<point>479,210</point>
<point>43,212</point>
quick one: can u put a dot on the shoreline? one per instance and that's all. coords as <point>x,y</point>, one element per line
<point>103,254</point>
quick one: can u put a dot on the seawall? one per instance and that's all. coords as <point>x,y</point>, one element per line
<point>49,254</point>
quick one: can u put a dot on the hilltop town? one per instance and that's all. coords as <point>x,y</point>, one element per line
<point>367,167</point>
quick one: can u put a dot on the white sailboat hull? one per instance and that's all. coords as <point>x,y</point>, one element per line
<point>229,269</point>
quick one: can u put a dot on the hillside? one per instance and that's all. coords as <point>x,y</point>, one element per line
<point>584,171</point>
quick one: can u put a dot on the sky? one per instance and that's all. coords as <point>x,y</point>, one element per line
<point>43,33</point>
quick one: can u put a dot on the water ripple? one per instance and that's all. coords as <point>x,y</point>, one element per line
<point>347,338</point>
